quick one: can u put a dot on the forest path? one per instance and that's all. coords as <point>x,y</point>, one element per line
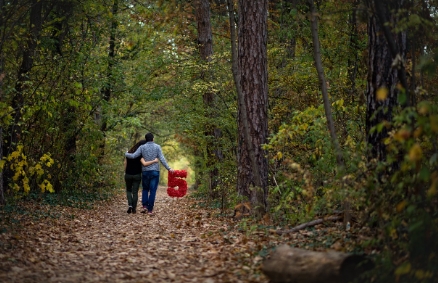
<point>181,243</point>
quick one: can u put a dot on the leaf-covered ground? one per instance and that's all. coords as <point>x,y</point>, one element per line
<point>181,243</point>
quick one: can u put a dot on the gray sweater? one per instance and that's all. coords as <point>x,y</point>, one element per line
<point>150,151</point>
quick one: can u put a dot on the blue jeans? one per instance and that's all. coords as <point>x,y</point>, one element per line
<point>150,180</point>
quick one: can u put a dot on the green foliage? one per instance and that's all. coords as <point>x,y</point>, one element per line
<point>306,176</point>
<point>58,134</point>
<point>403,196</point>
<point>157,87</point>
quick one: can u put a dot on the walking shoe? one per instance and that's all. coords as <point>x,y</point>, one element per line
<point>144,210</point>
<point>134,210</point>
<point>129,209</point>
<point>150,213</point>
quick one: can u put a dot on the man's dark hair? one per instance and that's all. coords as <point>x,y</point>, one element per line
<point>149,137</point>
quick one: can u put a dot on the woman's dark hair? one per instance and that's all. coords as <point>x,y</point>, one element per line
<point>136,146</point>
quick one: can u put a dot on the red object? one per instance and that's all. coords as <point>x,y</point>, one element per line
<point>176,186</point>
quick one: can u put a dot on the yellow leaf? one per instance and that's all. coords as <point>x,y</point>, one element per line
<point>401,206</point>
<point>399,86</point>
<point>49,187</point>
<point>393,234</point>
<point>382,93</point>
<point>26,187</point>
<point>405,268</point>
<point>16,176</point>
<point>422,274</point>
<point>434,123</point>
<point>415,153</point>
<point>402,135</point>
<point>431,192</point>
<point>14,154</point>
<point>423,109</point>
<point>42,187</point>
<point>418,131</point>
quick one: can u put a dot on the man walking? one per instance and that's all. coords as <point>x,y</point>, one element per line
<point>151,173</point>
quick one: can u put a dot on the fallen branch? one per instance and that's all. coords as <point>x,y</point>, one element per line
<point>309,224</point>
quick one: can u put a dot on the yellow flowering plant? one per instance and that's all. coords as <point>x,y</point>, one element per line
<point>26,173</point>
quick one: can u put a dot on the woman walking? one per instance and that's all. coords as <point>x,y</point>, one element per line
<point>133,169</point>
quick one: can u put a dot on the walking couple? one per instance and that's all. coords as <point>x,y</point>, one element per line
<point>141,165</point>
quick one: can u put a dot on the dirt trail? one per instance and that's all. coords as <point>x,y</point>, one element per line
<point>179,244</point>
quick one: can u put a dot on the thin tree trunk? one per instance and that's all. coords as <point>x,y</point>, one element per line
<point>107,90</point>
<point>353,48</point>
<point>327,104</point>
<point>323,85</point>
<point>253,103</point>
<point>292,42</point>
<point>2,191</point>
<point>413,82</point>
<point>243,136</point>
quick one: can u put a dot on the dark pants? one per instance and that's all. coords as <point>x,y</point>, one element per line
<point>150,180</point>
<point>132,185</point>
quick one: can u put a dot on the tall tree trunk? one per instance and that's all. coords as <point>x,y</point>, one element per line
<point>2,191</point>
<point>107,90</point>
<point>212,132</point>
<point>252,180</point>
<point>381,74</point>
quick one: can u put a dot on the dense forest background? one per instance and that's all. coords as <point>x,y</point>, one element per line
<point>302,108</point>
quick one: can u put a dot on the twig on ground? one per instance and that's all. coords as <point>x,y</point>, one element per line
<point>309,224</point>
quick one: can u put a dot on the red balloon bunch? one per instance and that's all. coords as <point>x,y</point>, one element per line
<point>176,186</point>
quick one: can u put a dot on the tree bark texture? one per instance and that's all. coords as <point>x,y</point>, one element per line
<point>381,74</point>
<point>212,131</point>
<point>293,265</point>
<point>253,103</point>
<point>2,191</point>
